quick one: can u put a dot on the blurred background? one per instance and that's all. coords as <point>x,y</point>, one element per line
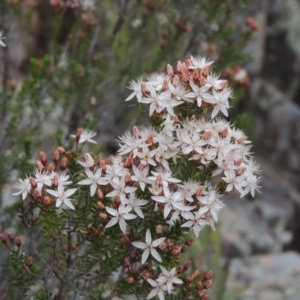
<point>67,64</point>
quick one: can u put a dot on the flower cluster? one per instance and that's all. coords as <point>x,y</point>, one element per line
<point>161,174</point>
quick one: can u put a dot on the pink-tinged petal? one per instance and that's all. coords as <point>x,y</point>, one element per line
<point>112,222</point>
<point>155,254</point>
<point>148,237</point>
<point>139,245</point>
<point>145,256</point>
<point>111,211</point>
<point>157,242</point>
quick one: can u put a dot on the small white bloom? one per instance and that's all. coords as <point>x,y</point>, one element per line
<point>62,196</point>
<point>119,216</point>
<point>94,179</point>
<point>23,186</point>
<point>89,161</point>
<point>168,277</point>
<point>86,136</point>
<point>149,246</point>
<point>159,289</point>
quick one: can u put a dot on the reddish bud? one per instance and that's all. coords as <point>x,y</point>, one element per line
<point>165,85</point>
<point>37,193</point>
<point>199,285</point>
<point>47,200</point>
<point>18,241</point>
<point>29,262</point>
<point>159,229</point>
<point>63,163</point>
<point>128,178</point>
<point>100,205</point>
<point>208,283</point>
<point>202,293</point>
<point>43,158</point>
<point>2,238</point>
<point>61,150</point>
<point>175,250</point>
<point>32,182</point>
<point>130,280</point>
<point>51,167</point>
<point>189,242</point>
<point>208,275</point>
<point>144,88</point>
<point>149,265</point>
<point>188,279</point>
<point>251,23</point>
<point>56,156</point>
<point>163,246</point>
<point>180,269</point>
<point>100,194</point>
<point>126,262</point>
<point>136,132</point>
<point>78,134</point>
<point>55,180</point>
<point>103,216</point>
<point>170,70</point>
<point>145,275</point>
<point>39,166</point>
<point>132,271</point>
<point>10,237</point>
<point>184,248</point>
<point>93,101</point>
<point>129,161</point>
<point>187,265</point>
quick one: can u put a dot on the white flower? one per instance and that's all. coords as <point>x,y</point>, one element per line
<point>199,63</point>
<point>136,86</point>
<point>169,277</point>
<point>23,186</point>
<point>42,179</point>
<point>135,204</point>
<point>149,246</point>
<point>86,136</point>
<point>141,176</point>
<point>62,196</point>
<point>158,289</point>
<point>94,179</point>
<point>120,216</point>
<point>2,38</point>
<point>120,189</point>
<point>197,222</point>
<point>199,93</point>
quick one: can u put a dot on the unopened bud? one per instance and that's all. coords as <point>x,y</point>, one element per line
<point>18,241</point>
<point>39,166</point>
<point>188,279</point>
<point>63,163</point>
<point>159,229</point>
<point>29,262</point>
<point>55,180</point>
<point>78,134</point>
<point>51,167</point>
<point>128,178</point>
<point>179,67</point>
<point>56,156</point>
<point>100,205</point>
<point>187,265</point>
<point>61,150</point>
<point>180,269</point>
<point>175,250</point>
<point>145,275</point>
<point>10,237</point>
<point>208,283</point>
<point>47,200</point>
<point>170,70</point>
<point>202,293</point>
<point>208,275</point>
<point>32,182</point>
<point>163,246</point>
<point>130,280</point>
<point>93,101</point>
<point>73,246</point>
<point>103,216</point>
<point>100,194</point>
<point>43,158</point>
<point>199,192</point>
<point>117,200</point>
<point>195,274</point>
<point>37,193</point>
<point>184,248</point>
<point>149,265</point>
<point>205,297</point>
<point>126,262</point>
<point>129,161</point>
<point>2,238</point>
<point>102,166</point>
<point>199,285</point>
<point>189,242</point>
<point>132,271</point>
<point>144,88</point>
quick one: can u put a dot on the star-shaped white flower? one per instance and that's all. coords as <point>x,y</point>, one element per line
<point>89,161</point>
<point>62,196</point>
<point>119,216</point>
<point>168,278</point>
<point>94,179</point>
<point>159,289</point>
<point>86,136</point>
<point>149,246</point>
<point>23,186</point>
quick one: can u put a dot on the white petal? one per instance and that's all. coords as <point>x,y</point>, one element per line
<point>155,254</point>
